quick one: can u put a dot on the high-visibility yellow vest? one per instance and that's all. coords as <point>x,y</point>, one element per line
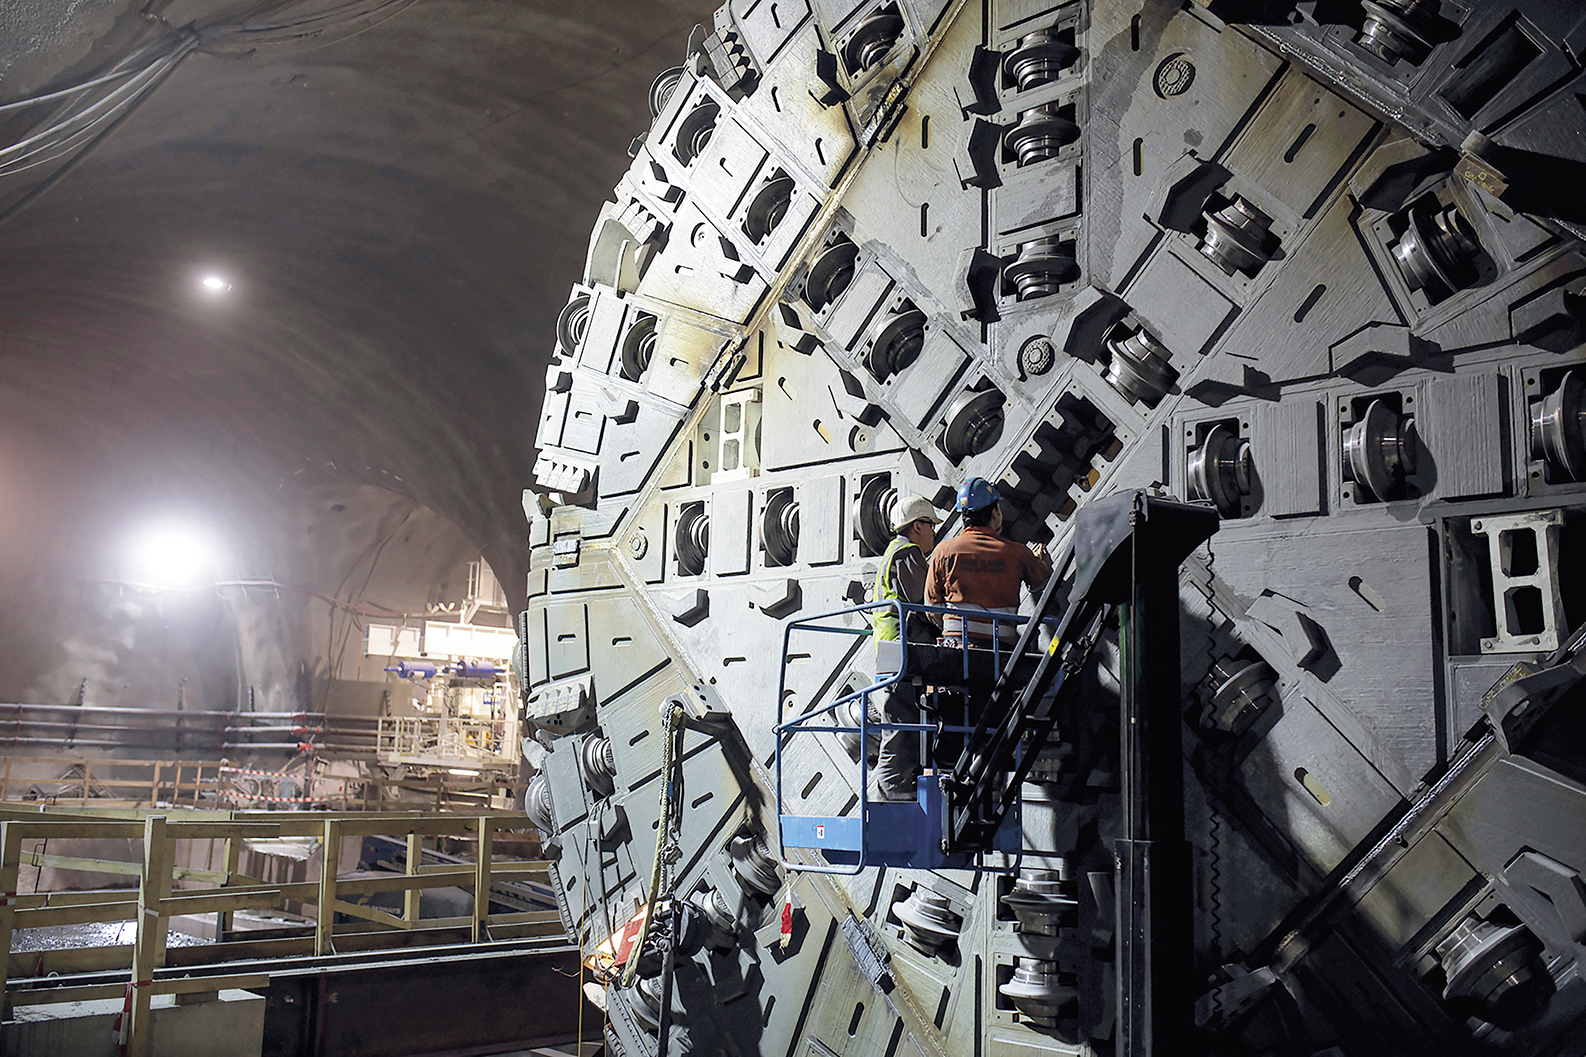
<point>885,621</point>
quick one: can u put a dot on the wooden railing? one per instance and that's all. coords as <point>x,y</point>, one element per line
<point>153,968</point>
<point>171,781</point>
<point>104,782</point>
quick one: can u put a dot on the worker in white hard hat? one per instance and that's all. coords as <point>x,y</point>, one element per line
<point>902,577</point>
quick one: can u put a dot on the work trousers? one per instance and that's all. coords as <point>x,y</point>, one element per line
<point>898,763</point>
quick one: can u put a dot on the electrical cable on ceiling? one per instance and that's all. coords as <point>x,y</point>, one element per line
<point>23,104</point>
<point>61,138</point>
<point>316,25</point>
<point>87,112</point>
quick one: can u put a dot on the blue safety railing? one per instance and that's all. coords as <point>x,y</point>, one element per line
<point>883,833</point>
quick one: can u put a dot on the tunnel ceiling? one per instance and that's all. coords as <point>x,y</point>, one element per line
<point>398,192</point>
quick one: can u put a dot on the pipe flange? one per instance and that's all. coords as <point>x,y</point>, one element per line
<point>754,865</point>
<point>768,207</point>
<point>638,348</point>
<point>1391,30</point>
<point>1437,251</point>
<point>1138,368</point>
<point>1558,426</point>
<point>974,423</point>
<point>1040,134</point>
<point>872,40</point>
<point>1379,451</point>
<point>597,765</point>
<point>1237,238</point>
<point>571,324</point>
<point>1038,991</point>
<point>1219,471</point>
<point>873,513</point>
<point>830,273</point>
<point>1039,59</point>
<point>895,342</point>
<point>662,87</point>
<point>779,528</point>
<point>1040,269</point>
<point>1038,901</point>
<point>929,923</point>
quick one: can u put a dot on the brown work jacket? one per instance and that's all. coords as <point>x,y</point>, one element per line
<point>978,568</point>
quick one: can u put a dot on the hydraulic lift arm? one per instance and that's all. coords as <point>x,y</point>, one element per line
<point>1022,709</point>
<point>1127,552</point>
<point>1118,541</point>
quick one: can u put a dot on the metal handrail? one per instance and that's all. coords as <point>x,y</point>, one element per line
<point>412,739</point>
<point>799,724</point>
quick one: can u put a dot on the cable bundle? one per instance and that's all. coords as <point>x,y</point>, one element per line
<point>85,113</point>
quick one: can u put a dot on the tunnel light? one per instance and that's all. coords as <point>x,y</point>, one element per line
<point>214,284</point>
<point>172,555</point>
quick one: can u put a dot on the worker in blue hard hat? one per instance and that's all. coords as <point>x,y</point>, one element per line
<point>981,569</point>
<point>902,578</point>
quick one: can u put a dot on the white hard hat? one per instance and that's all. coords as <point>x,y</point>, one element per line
<point>911,509</point>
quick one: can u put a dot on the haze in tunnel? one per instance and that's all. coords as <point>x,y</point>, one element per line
<point>322,253</point>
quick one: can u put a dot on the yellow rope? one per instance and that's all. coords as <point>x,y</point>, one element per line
<point>662,833</point>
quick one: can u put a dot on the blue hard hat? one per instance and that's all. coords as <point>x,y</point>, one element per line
<point>977,493</point>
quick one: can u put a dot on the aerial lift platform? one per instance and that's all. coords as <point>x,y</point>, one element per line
<point>1124,553</point>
